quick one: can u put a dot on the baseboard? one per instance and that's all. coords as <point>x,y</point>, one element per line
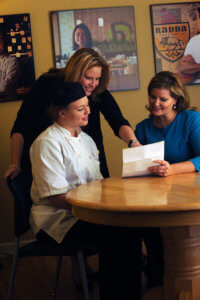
<point>7,249</point>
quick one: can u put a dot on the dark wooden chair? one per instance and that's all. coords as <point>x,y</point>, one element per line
<point>20,190</point>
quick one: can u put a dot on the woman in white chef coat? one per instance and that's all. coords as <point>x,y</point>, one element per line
<point>63,157</point>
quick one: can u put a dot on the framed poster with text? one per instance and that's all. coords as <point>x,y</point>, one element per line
<point>176,39</point>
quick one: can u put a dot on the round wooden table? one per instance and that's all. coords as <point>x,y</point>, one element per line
<point>172,203</point>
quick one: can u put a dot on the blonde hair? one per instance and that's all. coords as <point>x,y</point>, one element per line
<point>82,60</point>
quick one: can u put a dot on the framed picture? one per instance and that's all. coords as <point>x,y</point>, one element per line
<point>17,73</point>
<point>110,31</point>
<point>176,39</point>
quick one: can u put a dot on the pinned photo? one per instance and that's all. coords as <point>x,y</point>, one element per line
<point>17,72</point>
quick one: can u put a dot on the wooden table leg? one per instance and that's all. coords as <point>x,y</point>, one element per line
<point>182,263</point>
<point>153,294</point>
<point>184,295</point>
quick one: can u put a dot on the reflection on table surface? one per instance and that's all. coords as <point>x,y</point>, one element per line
<point>150,193</point>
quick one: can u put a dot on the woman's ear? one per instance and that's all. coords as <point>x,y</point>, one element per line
<point>62,113</point>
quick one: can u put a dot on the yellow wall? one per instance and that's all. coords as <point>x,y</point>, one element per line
<point>131,102</point>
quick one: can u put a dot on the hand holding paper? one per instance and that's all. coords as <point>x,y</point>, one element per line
<point>137,160</point>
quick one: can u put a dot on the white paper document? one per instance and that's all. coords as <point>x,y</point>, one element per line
<point>137,160</point>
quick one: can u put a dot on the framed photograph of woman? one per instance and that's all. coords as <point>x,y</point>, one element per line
<point>110,31</point>
<point>176,39</point>
<point>17,72</point>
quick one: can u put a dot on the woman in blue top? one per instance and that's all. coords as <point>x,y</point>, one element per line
<point>174,121</point>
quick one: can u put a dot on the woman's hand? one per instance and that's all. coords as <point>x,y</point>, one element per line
<point>12,172</point>
<point>189,59</point>
<point>163,168</point>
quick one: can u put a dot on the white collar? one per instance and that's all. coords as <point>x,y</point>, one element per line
<point>66,132</point>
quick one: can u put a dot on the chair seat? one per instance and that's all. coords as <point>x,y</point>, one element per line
<point>39,248</point>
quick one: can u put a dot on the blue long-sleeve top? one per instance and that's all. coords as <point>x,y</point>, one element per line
<point>182,137</point>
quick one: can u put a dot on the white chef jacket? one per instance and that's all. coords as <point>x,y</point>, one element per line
<point>60,162</point>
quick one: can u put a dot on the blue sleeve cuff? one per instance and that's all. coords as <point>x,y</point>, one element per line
<point>196,162</point>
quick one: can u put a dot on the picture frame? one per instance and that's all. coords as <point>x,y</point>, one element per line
<point>17,72</point>
<point>175,32</point>
<point>110,31</point>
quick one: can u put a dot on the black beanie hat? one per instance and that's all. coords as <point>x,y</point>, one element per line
<point>67,92</point>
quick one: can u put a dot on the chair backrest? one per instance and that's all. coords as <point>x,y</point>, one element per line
<point>20,189</point>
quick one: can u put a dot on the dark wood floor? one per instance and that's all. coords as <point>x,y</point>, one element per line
<point>35,279</point>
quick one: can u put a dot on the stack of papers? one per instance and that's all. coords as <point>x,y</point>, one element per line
<point>137,160</point>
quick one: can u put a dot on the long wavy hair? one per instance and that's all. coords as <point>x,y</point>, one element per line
<point>82,60</point>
